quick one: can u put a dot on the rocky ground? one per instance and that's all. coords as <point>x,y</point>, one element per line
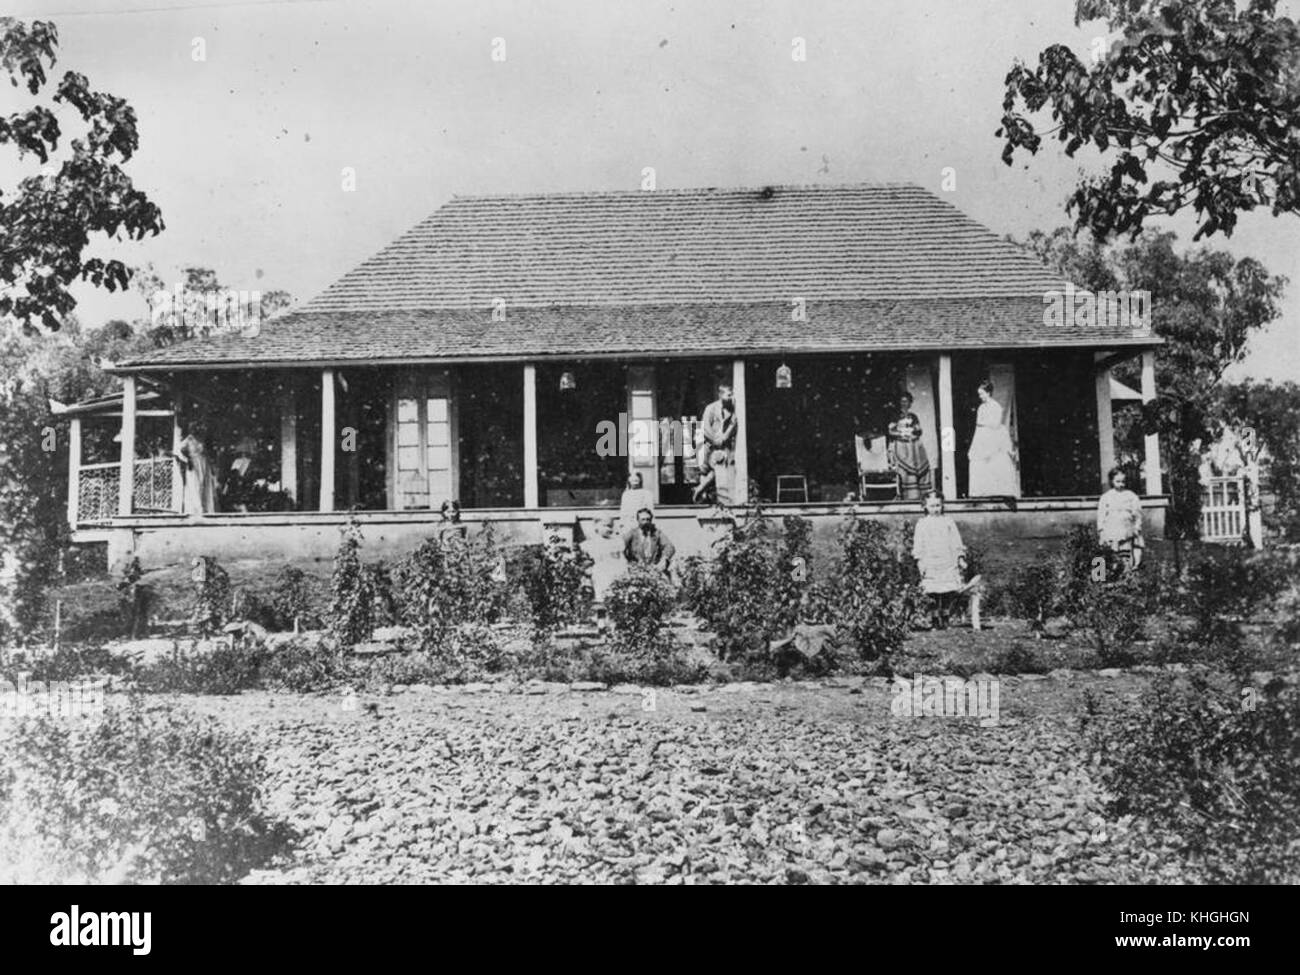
<point>779,783</point>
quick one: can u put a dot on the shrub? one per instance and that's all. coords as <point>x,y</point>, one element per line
<point>67,663</point>
<point>136,796</point>
<point>796,544</point>
<point>224,668</point>
<point>1111,615</point>
<point>1230,582</point>
<point>555,581</point>
<point>1017,659</point>
<point>303,667</point>
<point>818,602</point>
<point>475,648</point>
<point>751,592</point>
<point>1079,567</point>
<point>1287,633</point>
<point>1033,595</point>
<point>290,599</point>
<point>211,595</point>
<point>876,587</point>
<point>351,612</point>
<point>1223,776</point>
<point>1223,587</point>
<point>449,581</point>
<point>1218,643</point>
<point>695,592</point>
<point>415,667</point>
<point>247,605</point>
<point>638,602</point>
<point>85,560</point>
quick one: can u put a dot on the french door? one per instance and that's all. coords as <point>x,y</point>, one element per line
<point>425,470</point>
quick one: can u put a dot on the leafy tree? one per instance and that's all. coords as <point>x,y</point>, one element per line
<point>1199,98</point>
<point>33,526</point>
<point>46,222</point>
<point>1205,304</point>
<point>1273,410</point>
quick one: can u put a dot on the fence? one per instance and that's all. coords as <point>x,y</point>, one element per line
<point>1223,509</point>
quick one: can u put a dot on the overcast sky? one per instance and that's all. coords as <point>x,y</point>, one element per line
<point>243,151</point>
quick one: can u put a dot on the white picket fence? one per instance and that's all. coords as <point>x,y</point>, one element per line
<point>1223,509</point>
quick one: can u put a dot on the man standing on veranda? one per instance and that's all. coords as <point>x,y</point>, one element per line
<point>718,451</point>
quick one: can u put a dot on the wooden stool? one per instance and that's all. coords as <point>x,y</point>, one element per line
<point>792,483</point>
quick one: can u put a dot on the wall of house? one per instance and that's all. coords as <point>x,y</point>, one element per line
<point>1004,536</point>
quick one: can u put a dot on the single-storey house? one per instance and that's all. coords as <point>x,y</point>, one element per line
<point>523,353</point>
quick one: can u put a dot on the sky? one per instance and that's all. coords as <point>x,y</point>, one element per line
<point>244,150</point>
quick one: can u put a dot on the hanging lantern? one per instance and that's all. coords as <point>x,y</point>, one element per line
<point>783,377</point>
<point>567,381</point>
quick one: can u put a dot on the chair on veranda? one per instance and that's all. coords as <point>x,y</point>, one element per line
<point>877,478</point>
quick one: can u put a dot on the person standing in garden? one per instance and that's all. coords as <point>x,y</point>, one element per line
<point>1119,520</point>
<point>940,557</point>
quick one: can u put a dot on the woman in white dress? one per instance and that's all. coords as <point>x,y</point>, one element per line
<point>200,491</point>
<point>635,497</point>
<point>992,455</point>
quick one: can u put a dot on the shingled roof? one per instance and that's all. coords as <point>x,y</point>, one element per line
<point>707,271</point>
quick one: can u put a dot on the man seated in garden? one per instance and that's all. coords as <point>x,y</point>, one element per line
<point>941,558</point>
<point>647,545</point>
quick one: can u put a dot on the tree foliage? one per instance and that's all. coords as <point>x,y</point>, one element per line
<point>1273,411</point>
<point>46,222</point>
<point>33,523</point>
<point>1198,99</point>
<point>1206,305</point>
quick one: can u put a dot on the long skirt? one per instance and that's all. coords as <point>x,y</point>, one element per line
<point>992,469</point>
<point>913,468</point>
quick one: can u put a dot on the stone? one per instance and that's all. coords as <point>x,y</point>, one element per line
<point>889,839</point>
<point>337,832</point>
